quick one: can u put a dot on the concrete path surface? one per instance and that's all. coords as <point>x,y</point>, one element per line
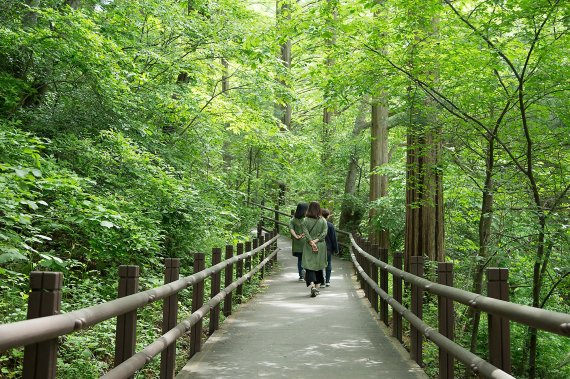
<point>284,333</point>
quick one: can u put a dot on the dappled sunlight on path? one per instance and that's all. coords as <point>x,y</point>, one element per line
<point>284,333</point>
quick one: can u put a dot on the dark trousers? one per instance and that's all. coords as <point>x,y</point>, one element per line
<point>314,276</point>
<point>299,260</point>
<point>328,270</point>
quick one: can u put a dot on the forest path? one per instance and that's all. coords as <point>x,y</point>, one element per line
<point>284,333</point>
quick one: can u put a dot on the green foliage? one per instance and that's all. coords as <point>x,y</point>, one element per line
<point>119,146</point>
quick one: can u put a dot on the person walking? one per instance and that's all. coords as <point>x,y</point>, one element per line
<point>297,237</point>
<point>314,248</point>
<point>332,246</point>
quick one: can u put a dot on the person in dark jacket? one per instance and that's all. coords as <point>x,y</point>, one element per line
<point>332,246</point>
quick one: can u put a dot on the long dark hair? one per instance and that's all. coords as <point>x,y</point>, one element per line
<point>301,210</point>
<point>314,210</point>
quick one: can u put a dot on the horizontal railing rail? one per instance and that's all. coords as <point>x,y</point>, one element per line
<point>499,311</point>
<point>273,220</point>
<point>551,321</point>
<point>42,330</point>
<point>36,330</point>
<point>140,359</point>
<point>271,209</point>
<point>476,363</point>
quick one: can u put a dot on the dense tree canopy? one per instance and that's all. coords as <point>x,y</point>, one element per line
<point>131,131</point>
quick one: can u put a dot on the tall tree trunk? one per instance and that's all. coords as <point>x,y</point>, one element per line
<point>424,232</point>
<point>378,158</point>
<point>328,111</point>
<point>249,174</point>
<point>349,216</point>
<point>226,154</point>
<point>282,108</point>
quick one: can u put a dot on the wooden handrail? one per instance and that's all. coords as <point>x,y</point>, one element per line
<point>551,321</point>
<point>36,330</point>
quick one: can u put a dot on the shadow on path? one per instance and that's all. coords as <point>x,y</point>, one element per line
<point>284,333</point>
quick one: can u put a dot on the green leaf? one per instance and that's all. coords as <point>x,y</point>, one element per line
<point>12,256</point>
<point>21,173</point>
<point>107,224</point>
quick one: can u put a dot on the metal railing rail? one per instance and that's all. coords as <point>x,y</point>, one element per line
<point>140,359</point>
<point>496,305</point>
<point>476,363</point>
<point>271,209</point>
<point>273,221</point>
<point>551,321</point>
<point>36,330</point>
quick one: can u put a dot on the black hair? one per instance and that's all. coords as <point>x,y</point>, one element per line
<point>301,210</point>
<point>326,213</point>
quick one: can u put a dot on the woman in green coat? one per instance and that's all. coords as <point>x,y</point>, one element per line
<point>315,248</point>
<point>297,237</point>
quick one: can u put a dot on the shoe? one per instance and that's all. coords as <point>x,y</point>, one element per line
<point>314,292</point>
<point>328,284</point>
<point>301,279</point>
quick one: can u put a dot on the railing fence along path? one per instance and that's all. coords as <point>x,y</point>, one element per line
<point>500,311</point>
<point>369,258</point>
<point>39,334</point>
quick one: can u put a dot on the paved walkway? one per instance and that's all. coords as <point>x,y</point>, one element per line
<point>284,333</point>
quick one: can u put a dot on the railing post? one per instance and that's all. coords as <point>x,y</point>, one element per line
<point>169,318</point>
<point>197,302</point>
<point>239,271</point>
<point>364,265</point>
<point>248,248</point>
<point>397,295</point>
<point>369,267</point>
<point>384,286</point>
<point>254,258</point>
<point>417,267</point>
<point>215,288</point>
<point>359,261</point>
<point>275,247</point>
<point>262,256</point>
<point>445,319</point>
<point>126,333</point>
<point>228,280</point>
<point>40,359</point>
<point>375,252</point>
<point>499,329</point>
<point>259,230</point>
<point>276,218</point>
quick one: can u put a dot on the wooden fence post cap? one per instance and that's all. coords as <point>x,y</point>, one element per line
<point>46,280</point>
<point>444,266</point>
<point>497,274</point>
<point>172,262</point>
<point>128,271</point>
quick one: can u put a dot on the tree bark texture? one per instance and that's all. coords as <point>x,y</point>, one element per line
<point>283,110</point>
<point>349,215</point>
<point>378,157</point>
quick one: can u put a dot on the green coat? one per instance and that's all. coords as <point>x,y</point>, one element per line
<point>314,228</point>
<point>297,244</point>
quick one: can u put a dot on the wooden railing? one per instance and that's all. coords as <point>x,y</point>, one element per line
<point>39,334</point>
<point>370,262</point>
<point>368,259</point>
